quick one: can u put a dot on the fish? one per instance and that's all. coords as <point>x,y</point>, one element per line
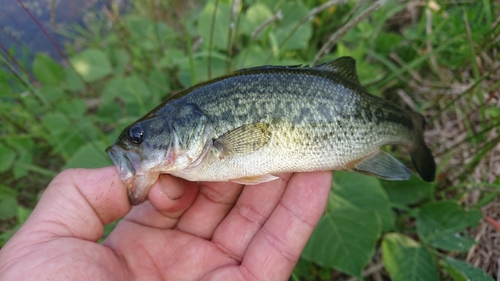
<point>251,125</point>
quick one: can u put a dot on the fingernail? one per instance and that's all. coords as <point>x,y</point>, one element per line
<point>173,187</point>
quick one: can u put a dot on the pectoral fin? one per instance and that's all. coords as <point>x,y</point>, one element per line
<point>383,165</point>
<point>243,140</point>
<point>255,180</point>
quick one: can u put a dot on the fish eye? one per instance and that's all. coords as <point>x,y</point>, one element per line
<point>135,134</point>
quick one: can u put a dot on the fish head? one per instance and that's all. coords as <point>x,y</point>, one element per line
<point>163,144</point>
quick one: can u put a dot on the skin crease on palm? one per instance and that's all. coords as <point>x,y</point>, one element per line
<point>186,231</point>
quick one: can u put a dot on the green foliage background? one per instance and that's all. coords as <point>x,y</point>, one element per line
<point>65,114</point>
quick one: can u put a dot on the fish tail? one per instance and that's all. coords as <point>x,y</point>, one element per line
<point>421,155</point>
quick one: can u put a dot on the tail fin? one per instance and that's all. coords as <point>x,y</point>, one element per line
<point>421,155</point>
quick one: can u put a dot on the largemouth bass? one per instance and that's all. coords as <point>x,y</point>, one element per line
<point>255,123</point>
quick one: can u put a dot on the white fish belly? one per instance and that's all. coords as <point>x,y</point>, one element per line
<point>297,149</point>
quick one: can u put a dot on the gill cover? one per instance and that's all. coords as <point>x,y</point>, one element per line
<point>192,134</point>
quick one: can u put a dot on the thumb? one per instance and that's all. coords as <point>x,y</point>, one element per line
<point>78,203</point>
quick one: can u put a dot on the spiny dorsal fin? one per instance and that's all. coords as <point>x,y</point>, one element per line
<point>244,139</point>
<point>269,67</point>
<point>343,66</point>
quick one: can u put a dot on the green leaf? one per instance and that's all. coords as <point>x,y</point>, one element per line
<point>121,60</point>
<point>218,66</point>
<point>52,94</point>
<point>24,147</point>
<point>92,65</point>
<point>74,108</point>
<point>172,58</point>
<point>462,271</point>
<point>344,239</point>
<point>288,36</point>
<point>442,225</point>
<point>221,25</point>
<point>142,30</point>
<point>365,193</point>
<point>7,191</point>
<point>408,192</point>
<point>252,56</point>
<point>255,16</point>
<point>159,83</point>
<point>407,260</point>
<point>7,157</point>
<point>47,71</point>
<point>56,123</point>
<point>72,81</point>
<point>8,207</point>
<point>91,155</point>
<point>22,214</point>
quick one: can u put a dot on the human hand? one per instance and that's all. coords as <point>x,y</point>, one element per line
<point>186,231</point>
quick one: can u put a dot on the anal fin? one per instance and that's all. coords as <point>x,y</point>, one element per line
<point>255,180</point>
<point>383,165</point>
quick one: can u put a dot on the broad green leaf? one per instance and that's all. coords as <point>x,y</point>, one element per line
<point>91,155</point>
<point>24,147</point>
<point>7,191</point>
<point>218,66</point>
<point>252,56</point>
<point>220,28</point>
<point>8,207</point>
<point>74,108</point>
<point>22,214</point>
<point>47,71</point>
<point>24,159</point>
<point>173,57</point>
<point>92,65</point>
<point>365,193</point>
<point>142,30</point>
<point>407,260</point>
<point>20,144</point>
<point>52,94</point>
<point>71,139</point>
<point>255,16</point>
<point>121,60</point>
<point>344,239</point>
<point>462,271</point>
<point>72,81</point>
<point>408,192</point>
<point>159,84</point>
<point>167,36</point>
<point>442,225</point>
<point>7,157</point>
<point>130,90</point>
<point>56,123</point>
<point>137,96</point>
<point>289,36</point>
<point>305,270</point>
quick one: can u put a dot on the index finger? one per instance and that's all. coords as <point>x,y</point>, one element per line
<point>78,203</point>
<point>276,248</point>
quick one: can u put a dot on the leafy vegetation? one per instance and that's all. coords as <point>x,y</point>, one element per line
<point>441,61</point>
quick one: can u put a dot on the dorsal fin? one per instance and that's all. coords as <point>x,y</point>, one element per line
<point>267,67</point>
<point>343,66</point>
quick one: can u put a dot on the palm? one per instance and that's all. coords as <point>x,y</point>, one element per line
<point>214,231</point>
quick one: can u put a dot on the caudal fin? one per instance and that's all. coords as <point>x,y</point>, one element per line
<point>421,155</point>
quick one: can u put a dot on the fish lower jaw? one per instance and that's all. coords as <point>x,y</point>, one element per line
<point>139,185</point>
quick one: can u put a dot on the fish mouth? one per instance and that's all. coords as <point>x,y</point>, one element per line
<point>127,164</point>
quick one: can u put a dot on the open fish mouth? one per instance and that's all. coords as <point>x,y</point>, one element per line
<point>127,163</point>
<point>127,172</point>
<point>122,162</point>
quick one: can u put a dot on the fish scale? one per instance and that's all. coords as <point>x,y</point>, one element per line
<point>253,124</point>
